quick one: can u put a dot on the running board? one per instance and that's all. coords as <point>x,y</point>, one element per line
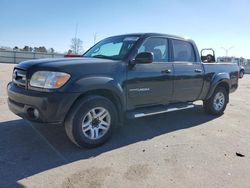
<point>138,114</point>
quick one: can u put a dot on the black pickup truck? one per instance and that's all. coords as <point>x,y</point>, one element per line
<point>126,76</point>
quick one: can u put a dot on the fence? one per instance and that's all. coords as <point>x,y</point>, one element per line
<point>7,56</point>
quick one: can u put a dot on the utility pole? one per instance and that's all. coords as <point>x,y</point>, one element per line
<point>75,47</point>
<point>227,50</point>
<point>95,35</point>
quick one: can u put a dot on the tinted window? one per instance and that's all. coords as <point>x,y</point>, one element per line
<point>183,51</point>
<point>159,48</point>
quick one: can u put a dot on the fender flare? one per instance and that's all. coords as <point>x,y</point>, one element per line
<point>92,83</point>
<point>218,79</point>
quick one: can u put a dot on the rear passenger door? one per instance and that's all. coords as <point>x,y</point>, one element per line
<point>188,71</point>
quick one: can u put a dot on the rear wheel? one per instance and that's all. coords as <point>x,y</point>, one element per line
<point>241,74</point>
<point>217,103</point>
<point>91,121</point>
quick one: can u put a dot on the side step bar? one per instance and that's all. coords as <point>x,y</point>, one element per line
<point>138,114</point>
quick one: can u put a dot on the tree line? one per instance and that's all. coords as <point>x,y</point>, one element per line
<point>76,47</point>
<point>42,49</point>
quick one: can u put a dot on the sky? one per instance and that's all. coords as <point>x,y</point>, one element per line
<point>52,23</point>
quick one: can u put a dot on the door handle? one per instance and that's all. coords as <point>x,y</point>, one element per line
<point>167,71</point>
<point>197,70</point>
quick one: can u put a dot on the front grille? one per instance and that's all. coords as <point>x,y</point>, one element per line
<point>19,78</point>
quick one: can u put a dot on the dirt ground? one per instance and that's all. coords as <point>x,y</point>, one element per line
<point>180,149</point>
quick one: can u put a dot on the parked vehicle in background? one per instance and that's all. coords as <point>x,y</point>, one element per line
<point>72,55</point>
<point>133,76</point>
<point>238,61</point>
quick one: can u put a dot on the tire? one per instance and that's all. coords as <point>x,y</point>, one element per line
<point>217,103</point>
<point>85,125</point>
<point>241,74</point>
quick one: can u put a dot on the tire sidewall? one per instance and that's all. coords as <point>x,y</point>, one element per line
<point>241,74</point>
<point>217,90</point>
<point>85,106</point>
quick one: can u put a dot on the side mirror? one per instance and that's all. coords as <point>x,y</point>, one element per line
<point>144,58</point>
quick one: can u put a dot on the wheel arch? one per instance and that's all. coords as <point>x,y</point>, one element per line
<point>220,80</point>
<point>104,92</point>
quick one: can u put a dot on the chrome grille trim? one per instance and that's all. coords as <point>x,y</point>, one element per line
<point>19,77</point>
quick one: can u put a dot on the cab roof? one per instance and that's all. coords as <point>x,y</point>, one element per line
<point>154,35</point>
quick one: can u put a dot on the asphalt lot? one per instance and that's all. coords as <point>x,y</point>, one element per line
<point>180,149</point>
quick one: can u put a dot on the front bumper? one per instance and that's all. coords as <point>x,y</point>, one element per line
<point>52,107</point>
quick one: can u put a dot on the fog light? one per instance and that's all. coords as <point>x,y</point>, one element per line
<point>36,113</point>
<point>33,113</point>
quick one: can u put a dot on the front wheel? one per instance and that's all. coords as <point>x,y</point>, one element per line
<point>91,121</point>
<point>217,103</point>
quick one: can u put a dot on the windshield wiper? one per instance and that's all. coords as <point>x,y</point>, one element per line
<point>101,56</point>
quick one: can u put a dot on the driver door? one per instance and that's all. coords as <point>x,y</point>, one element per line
<point>151,84</point>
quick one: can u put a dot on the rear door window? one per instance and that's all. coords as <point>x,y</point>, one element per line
<point>183,51</point>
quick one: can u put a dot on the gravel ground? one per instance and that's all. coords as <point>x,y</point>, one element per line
<point>180,149</point>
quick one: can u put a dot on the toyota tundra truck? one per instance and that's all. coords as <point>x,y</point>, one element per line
<point>125,76</point>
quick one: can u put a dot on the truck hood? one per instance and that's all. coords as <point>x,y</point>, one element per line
<point>77,67</point>
<point>60,62</point>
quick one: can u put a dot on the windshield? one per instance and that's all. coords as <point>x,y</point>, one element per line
<point>115,48</point>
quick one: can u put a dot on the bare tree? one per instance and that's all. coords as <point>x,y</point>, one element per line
<point>76,45</point>
<point>51,50</point>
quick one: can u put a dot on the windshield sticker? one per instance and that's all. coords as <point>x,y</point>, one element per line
<point>131,39</point>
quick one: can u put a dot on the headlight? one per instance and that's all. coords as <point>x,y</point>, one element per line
<point>48,79</point>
